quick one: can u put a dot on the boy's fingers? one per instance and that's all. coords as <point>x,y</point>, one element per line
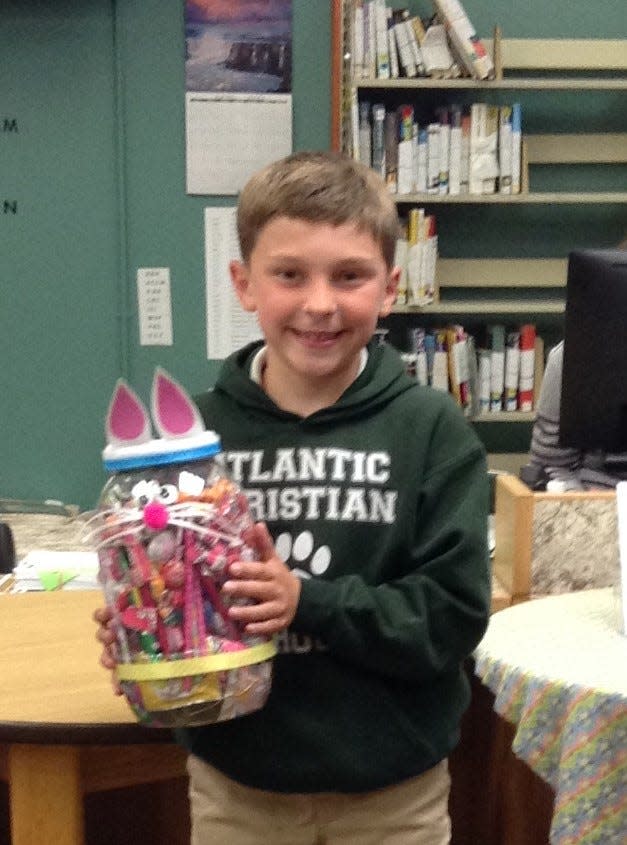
<point>262,612</point>
<point>263,541</point>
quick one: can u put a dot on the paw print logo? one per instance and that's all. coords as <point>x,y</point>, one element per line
<point>300,550</point>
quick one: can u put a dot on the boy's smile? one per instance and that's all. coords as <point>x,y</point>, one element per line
<point>318,290</point>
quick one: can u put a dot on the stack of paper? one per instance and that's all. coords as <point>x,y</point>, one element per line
<point>54,570</point>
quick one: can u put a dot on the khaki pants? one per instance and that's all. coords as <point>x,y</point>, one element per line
<point>414,812</point>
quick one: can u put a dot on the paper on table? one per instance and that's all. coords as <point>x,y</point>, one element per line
<point>230,136</point>
<point>621,504</point>
<point>228,326</point>
<point>42,569</point>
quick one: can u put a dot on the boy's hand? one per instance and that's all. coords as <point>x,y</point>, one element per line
<point>269,582</point>
<point>106,636</point>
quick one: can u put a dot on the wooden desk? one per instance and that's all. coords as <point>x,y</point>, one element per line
<point>63,733</point>
<point>68,745</point>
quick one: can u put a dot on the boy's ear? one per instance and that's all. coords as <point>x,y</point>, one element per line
<point>241,283</point>
<point>391,290</point>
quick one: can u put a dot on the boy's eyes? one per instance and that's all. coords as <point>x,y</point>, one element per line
<point>341,277</point>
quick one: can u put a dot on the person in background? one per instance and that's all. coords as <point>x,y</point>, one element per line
<point>335,443</point>
<point>548,461</point>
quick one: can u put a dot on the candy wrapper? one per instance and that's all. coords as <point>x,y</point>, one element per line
<point>169,523</point>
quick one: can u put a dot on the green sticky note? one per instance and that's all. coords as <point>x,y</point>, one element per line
<point>52,580</point>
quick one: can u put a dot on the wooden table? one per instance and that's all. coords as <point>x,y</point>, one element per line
<point>63,733</point>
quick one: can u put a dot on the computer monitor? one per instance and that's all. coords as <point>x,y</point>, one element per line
<point>593,413</point>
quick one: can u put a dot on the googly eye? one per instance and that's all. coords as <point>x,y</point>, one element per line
<point>168,494</point>
<point>144,492</point>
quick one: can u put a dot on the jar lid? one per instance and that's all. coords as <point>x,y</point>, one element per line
<point>161,452</point>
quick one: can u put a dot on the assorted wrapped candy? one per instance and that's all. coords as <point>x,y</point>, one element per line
<point>169,524</point>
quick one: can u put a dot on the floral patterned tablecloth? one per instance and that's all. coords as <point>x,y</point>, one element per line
<point>558,669</point>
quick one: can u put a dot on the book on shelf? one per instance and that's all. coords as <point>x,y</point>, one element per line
<point>419,354</point>
<point>436,55</point>
<point>400,261</point>
<point>464,167</point>
<point>415,245</point>
<point>381,40</point>
<point>421,159</point>
<point>483,379</point>
<point>516,147</point>
<point>505,149</point>
<point>392,46</point>
<point>499,375</point>
<point>483,167</point>
<point>496,345</point>
<point>406,145</point>
<point>388,43</point>
<point>422,252</point>
<point>433,158</point>
<point>444,146</point>
<point>459,372</point>
<point>378,138</point>
<point>512,371</point>
<point>467,45</point>
<point>357,54</point>
<point>414,31</point>
<point>455,151</point>
<point>458,150</point>
<point>527,367</point>
<point>391,132</point>
<point>440,378</point>
<point>406,55</point>
<point>364,136</point>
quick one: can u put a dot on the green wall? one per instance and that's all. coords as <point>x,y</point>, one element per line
<point>92,151</point>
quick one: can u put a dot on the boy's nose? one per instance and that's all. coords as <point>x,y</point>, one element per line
<point>320,297</point>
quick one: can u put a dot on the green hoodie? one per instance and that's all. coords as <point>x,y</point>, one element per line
<point>380,504</point>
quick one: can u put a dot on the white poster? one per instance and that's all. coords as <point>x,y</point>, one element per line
<point>228,326</point>
<point>238,80</point>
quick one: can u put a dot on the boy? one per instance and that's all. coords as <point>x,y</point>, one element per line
<point>373,491</point>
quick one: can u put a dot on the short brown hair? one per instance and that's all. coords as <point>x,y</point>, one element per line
<point>319,187</point>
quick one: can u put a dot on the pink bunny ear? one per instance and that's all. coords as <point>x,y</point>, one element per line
<point>173,412</point>
<point>127,419</point>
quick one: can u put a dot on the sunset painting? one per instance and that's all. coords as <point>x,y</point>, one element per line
<point>238,45</point>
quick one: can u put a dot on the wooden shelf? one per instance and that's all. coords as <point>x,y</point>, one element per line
<point>529,84</point>
<point>544,198</point>
<point>505,417</point>
<point>519,306</point>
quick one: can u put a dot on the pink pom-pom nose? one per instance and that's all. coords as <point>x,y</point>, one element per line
<point>156,516</point>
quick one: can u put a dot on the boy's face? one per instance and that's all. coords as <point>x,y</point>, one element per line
<point>318,291</point>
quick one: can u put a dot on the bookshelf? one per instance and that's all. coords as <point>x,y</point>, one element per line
<point>528,67</point>
<point>481,277</point>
